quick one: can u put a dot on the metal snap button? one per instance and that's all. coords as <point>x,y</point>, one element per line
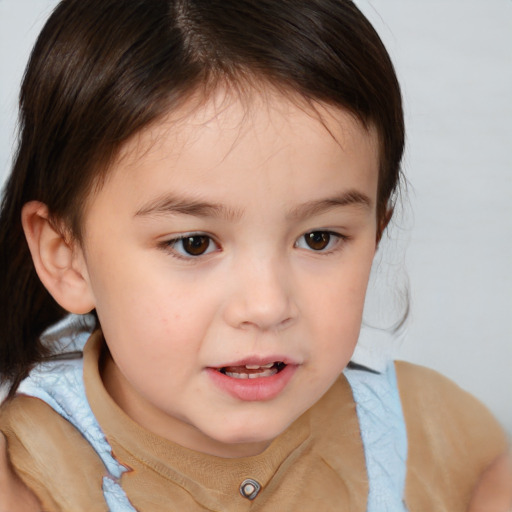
<point>249,488</point>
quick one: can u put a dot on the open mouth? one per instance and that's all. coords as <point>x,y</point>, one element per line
<point>253,371</point>
<point>254,379</point>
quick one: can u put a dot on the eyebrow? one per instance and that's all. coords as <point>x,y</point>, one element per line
<point>182,206</point>
<point>348,198</point>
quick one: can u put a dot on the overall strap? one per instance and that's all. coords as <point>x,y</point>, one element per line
<point>60,385</point>
<point>384,436</point>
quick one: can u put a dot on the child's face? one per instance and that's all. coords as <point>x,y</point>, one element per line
<point>236,235</point>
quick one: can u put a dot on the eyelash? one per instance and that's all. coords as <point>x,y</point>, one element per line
<point>334,243</point>
<point>170,246</point>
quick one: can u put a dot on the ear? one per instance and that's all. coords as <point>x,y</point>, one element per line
<point>382,223</point>
<point>58,259</point>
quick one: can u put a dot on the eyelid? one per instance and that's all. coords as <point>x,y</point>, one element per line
<point>337,243</point>
<point>169,245</point>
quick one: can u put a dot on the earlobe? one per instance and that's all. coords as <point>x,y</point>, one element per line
<point>58,260</point>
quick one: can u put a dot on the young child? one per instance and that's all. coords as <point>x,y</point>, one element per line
<point>211,180</point>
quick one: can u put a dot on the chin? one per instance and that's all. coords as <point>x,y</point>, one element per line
<point>250,431</point>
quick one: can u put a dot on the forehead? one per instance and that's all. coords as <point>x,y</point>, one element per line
<point>239,137</point>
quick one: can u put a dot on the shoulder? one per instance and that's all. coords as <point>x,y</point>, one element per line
<point>51,456</point>
<point>452,438</point>
<point>434,398</point>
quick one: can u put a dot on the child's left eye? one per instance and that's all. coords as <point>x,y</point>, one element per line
<point>193,245</point>
<point>319,241</point>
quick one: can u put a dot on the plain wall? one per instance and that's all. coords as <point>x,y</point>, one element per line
<point>454,61</point>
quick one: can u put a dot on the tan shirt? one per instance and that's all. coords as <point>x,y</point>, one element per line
<point>317,461</point>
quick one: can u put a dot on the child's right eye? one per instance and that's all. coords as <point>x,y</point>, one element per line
<point>193,245</point>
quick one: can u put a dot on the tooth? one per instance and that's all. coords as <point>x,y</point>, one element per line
<point>266,373</point>
<point>257,366</point>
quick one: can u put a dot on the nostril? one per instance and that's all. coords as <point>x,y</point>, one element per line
<point>277,326</point>
<point>267,308</point>
<point>287,321</point>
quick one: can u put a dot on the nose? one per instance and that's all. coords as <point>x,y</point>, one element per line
<point>261,297</point>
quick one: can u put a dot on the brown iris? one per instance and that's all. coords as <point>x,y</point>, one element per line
<point>196,245</point>
<point>318,240</point>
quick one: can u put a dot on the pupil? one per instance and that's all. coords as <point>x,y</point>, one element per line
<point>196,245</point>
<point>318,240</point>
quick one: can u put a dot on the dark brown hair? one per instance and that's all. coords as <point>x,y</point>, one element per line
<point>102,70</point>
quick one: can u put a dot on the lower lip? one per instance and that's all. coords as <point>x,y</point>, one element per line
<point>253,390</point>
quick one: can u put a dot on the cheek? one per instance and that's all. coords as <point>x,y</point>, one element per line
<point>341,293</point>
<point>160,321</point>
<point>337,310</point>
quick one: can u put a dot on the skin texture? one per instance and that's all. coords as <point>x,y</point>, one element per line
<point>274,173</point>
<point>253,178</point>
<point>258,289</point>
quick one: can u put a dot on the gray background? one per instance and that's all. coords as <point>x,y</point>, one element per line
<point>452,238</point>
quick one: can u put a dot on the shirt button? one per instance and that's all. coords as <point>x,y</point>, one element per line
<point>250,488</point>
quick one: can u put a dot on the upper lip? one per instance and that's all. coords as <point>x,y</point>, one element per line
<point>258,361</point>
